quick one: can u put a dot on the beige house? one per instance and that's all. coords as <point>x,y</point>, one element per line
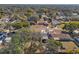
<point>59,35</point>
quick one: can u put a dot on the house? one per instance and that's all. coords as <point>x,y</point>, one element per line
<point>5,19</point>
<point>4,38</point>
<point>76,39</point>
<point>42,22</point>
<point>8,39</point>
<point>44,16</point>
<point>57,34</point>
<point>75,17</point>
<point>57,17</point>
<point>76,31</point>
<point>55,22</point>
<point>74,14</point>
<point>33,18</point>
<point>60,17</point>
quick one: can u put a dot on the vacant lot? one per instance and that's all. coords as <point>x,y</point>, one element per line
<point>69,46</point>
<point>37,28</point>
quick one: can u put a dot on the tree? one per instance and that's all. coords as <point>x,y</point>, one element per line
<point>53,46</point>
<point>16,46</point>
<point>34,43</point>
<point>29,12</point>
<point>19,25</point>
<point>71,26</point>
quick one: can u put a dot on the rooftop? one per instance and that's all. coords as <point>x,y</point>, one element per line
<point>57,33</point>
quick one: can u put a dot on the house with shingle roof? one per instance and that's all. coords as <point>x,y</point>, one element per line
<point>55,22</point>
<point>57,34</point>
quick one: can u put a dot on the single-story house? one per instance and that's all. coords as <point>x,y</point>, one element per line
<point>8,39</point>
<point>76,31</point>
<point>5,19</point>
<point>42,22</point>
<point>55,22</point>
<point>74,14</point>
<point>44,16</point>
<point>57,34</point>
<point>60,17</point>
<point>32,18</point>
<point>4,38</point>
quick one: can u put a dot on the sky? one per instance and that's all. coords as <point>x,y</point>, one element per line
<point>39,1</point>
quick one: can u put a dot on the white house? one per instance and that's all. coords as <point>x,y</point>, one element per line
<point>5,19</point>
<point>0,42</point>
<point>8,39</point>
<point>74,14</point>
<point>76,31</point>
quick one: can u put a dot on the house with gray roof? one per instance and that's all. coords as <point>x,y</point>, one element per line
<point>55,22</point>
